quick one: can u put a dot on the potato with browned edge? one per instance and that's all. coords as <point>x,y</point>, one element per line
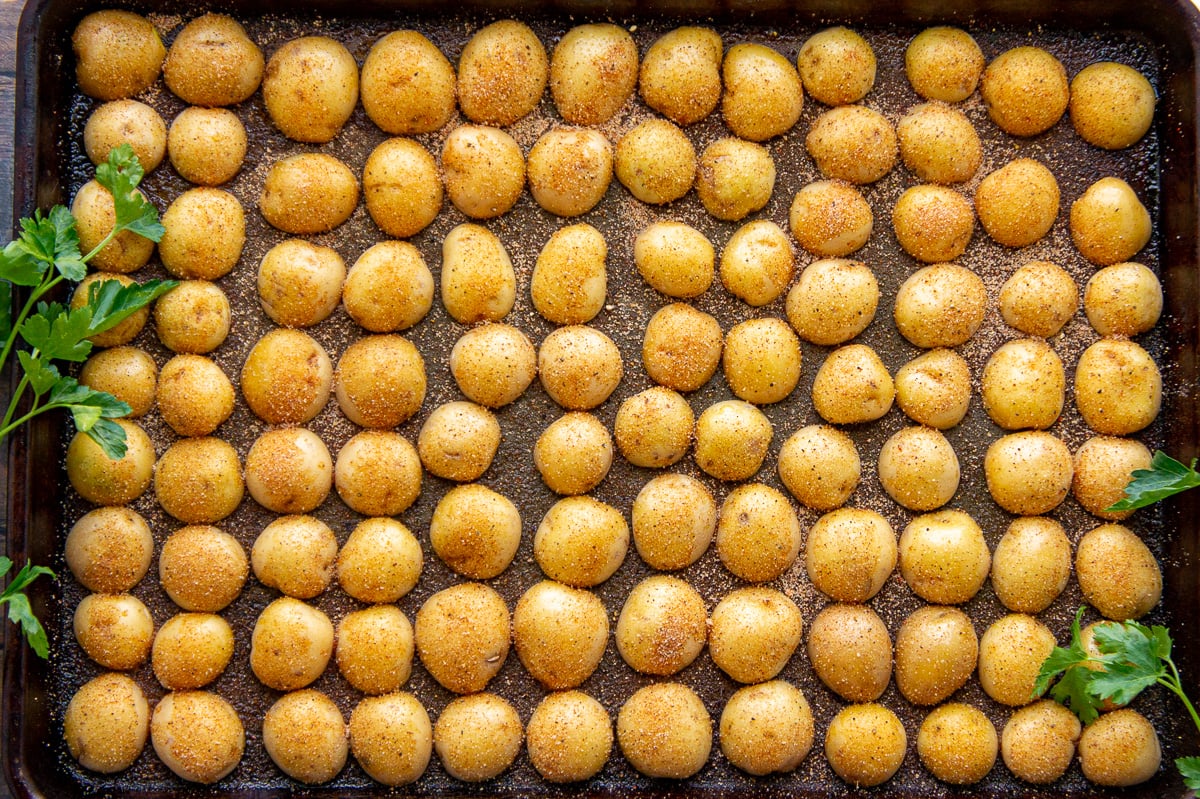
<point>117,54</point>
<point>681,74</point>
<point>502,73</point>
<point>310,88</point>
<point>207,145</point>
<point>106,723</point>
<point>943,63</point>
<point>593,71</point>
<point>581,541</point>
<point>475,531</point>
<point>125,122</point>
<point>936,653</point>
<point>305,736</point>
<point>407,85</point>
<point>1025,90</point>
<point>197,735</point>
<point>212,62</point>
<point>1018,203</point>
<point>837,66</point>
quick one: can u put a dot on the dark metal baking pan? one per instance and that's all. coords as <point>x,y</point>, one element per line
<point>1158,37</point>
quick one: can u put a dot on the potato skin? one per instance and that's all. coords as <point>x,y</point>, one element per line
<point>763,96</point>
<point>1018,203</point>
<point>1011,651</point>
<point>579,366</point>
<point>853,386</point>
<point>934,388</point>
<point>212,62</point>
<point>820,450</point>
<point>758,533</point>
<point>757,263</point>
<point>680,75</point>
<point>458,441</point>
<point>305,736</point>
<point>933,223</point>
<point>290,645</point>
<point>380,381</point>
<point>674,518</point>
<point>1117,573</point>
<point>830,218</point>
<point>296,555</point>
<point>1025,90</point>
<point>477,737</point>
<point>1024,385</point>
<point>202,568</point>
<point>475,531</point>
<point>754,632</point>
<point>1112,105</point>
<point>958,744</point>
<point>389,288</point>
<point>401,187</point>
<point>662,627</point>
<point>106,723</point>
<point>1118,387</point>
<point>675,259</point>
<point>287,377</point>
<point>380,561</point>
<point>939,144</point>
<point>865,744</point>
<point>766,728</point>
<point>484,170</point>
<point>735,178</point>
<point>1039,298</point>
<point>309,193</point>
<point>1103,468</point>
<point>732,439</point>
<point>391,738</point>
<point>656,162</point>
<point>194,317</point>
<point>570,280</point>
<point>463,635</point>
<point>850,553</point>
<point>1028,473</point>
<point>1031,564</point>
<point>1120,748</point>
<point>493,364</point>
<point>1109,224</point>
<point>664,730</point>
<point>114,630</point>
<point>943,63</point>
<point>569,737</point>
<point>117,54</point>
<point>205,232</point>
<point>682,347</point>
<point>1123,300</point>
<point>761,360</point>
<point>936,653</point>
<point>191,650</point>
<point>502,73</point>
<point>837,66</point>
<point>851,651</point>
<point>194,396</point>
<point>103,481</point>
<point>653,428</point>
<point>853,143</point>
<point>198,735</point>
<point>918,468</point>
<point>1038,741</point>
<point>944,557</point>
<point>375,649</point>
<point>593,72</point>
<point>128,373</point>
<point>398,103</point>
<point>378,473</point>
<point>126,122</point>
<point>207,145</point>
<point>559,633</point>
<point>581,541</point>
<point>109,549</point>
<point>310,88</point>
<point>569,170</point>
<point>573,455</point>
<point>942,305</point>
<point>300,284</point>
<point>95,216</point>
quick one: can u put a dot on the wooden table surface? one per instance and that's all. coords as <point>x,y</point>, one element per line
<point>10,10</point>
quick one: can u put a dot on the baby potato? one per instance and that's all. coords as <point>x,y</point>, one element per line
<point>286,377</point>
<point>1117,573</point>
<point>1109,224</point>
<point>732,438</point>
<point>1120,749</point>
<point>128,373</point>
<point>569,170</point>
<point>1028,473</point>
<point>407,85</point>
<point>194,396</point>
<point>114,630</point>
<point>958,744</point>
<point>475,531</point>
<point>1011,652</point>
<point>581,541</point>
<point>675,258</point>
<point>205,231</point>
<point>559,633</point>
<point>378,473</point>
<point>207,145</point>
<point>761,360</point>
<point>477,737</point>
<point>850,651</point>
<point>662,626</point>
<point>104,481</point>
<point>108,550</point>
<point>837,66</point>
<point>852,143</point>
<point>125,122</point>
<point>850,553</point>
<point>943,63</point>
<point>493,364</point>
<point>212,62</point>
<point>300,284</point>
<point>939,144</point>
<point>656,162</point>
<point>918,468</point>
<point>569,737</point>
<point>865,744</point>
<point>312,193</point>
<point>193,317</point>
<point>1112,105</point>
<point>680,76</point>
<point>943,557</point>
<point>579,366</point>
<point>502,73</point>
<point>380,381</point>
<point>1103,468</point>
<point>295,554</point>
<point>1024,385</point>
<point>833,301</point>
<point>95,216</point>
<point>484,170</point>
<point>574,453</point>
<point>757,263</point>
<point>682,347</point>
<point>820,466</point>
<point>1039,298</point>
<point>117,54</point>
<point>763,95</point>
<point>125,331</point>
<point>933,223</point>
<point>830,218</point>
<point>1025,90</point>
<point>380,561</point>
<point>389,288</point>
<point>375,649</point>
<point>191,650</point>
<point>934,388</point>
<point>1118,388</point>
<point>1018,203</point>
<point>1038,741</point>
<point>940,306</point>
<point>458,441</point>
<point>401,187</point>
<point>310,88</point>
<point>653,429</point>
<point>202,568</point>
<point>1031,564</point>
<point>593,71</point>
<point>758,533</point>
<point>853,386</point>
<point>1123,300</point>
<point>735,178</point>
<point>665,731</point>
<point>197,735</point>
<point>766,728</point>
<point>936,652</point>
<point>305,736</point>
<point>569,281</point>
<point>391,738</point>
<point>462,634</point>
<point>290,645</point>
<point>674,518</point>
<point>106,723</point>
<point>754,633</point>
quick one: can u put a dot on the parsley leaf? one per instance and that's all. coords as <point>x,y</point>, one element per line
<point>67,258</point>
<point>1130,654</point>
<point>109,303</point>
<point>121,174</point>
<point>1071,666</point>
<point>62,337</point>
<point>20,268</point>
<point>1189,767</point>
<point>41,373</point>
<point>1165,477</point>
<point>19,609</point>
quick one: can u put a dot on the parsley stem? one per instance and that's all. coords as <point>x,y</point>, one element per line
<point>12,404</point>
<point>1175,685</point>
<point>34,296</point>
<point>112,234</point>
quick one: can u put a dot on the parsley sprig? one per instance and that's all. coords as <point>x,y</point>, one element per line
<point>19,610</point>
<point>1132,658</point>
<point>1165,477</point>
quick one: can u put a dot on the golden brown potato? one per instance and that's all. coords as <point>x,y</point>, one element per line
<point>407,85</point>
<point>1118,388</point>
<point>287,377</point>
<point>290,645</point>
<point>682,347</point>
<point>95,216</point>
<point>1103,468</point>
<point>939,144</point>
<point>310,193</point>
<point>458,441</point>
<point>732,438</point>
<point>117,54</point>
<point>1039,299</point>
<point>653,429</point>
<point>1031,564</point>
<point>820,466</point>
<point>1028,473</point>
<point>837,66</point>
<point>675,258</point>
<point>665,731</point>
<point>193,317</point>
<point>569,737</point>
<point>380,381</point>
<point>850,553</point>
<point>933,223</point>
<point>1038,742</point>
<point>378,473</point>
<point>205,231</point>
<point>106,723</point>
<point>114,630</point>
<point>1123,300</point>
<point>194,396</point>
<point>958,744</point>
<point>502,73</point>
<point>680,76</point>
<point>124,332</point>
<point>1024,385</point>
<point>477,737</point>
<point>109,549</point>
<point>1025,90</point>
<point>380,561</point>
<point>766,728</point>
<point>581,541</point>
<point>310,88</point>
<point>305,736</point>
<point>389,288</point>
<point>202,568</point>
<point>569,170</point>
<point>391,738</point>
<point>128,373</point>
<point>944,557</point>
<point>300,284</point>
<point>197,735</point>
<point>375,649</point>
<point>1112,105</point>
<point>865,744</point>
<point>493,364</point>
<point>559,633</point>
<point>1011,652</point>
<point>940,306</point>
<point>656,162</point>
<point>830,218</point>
<point>1018,203</point>
<point>104,481</point>
<point>758,533</point>
<point>757,263</point>
<point>1109,224</point>
<point>761,360</point>
<point>212,62</point>
<point>934,389</point>
<point>735,178</point>
<point>484,170</point>
<point>754,633</point>
<point>674,518</point>
<point>852,386</point>
<point>191,650</point>
<point>943,63</point>
<point>852,143</point>
<point>125,122</point>
<point>462,635</point>
<point>207,145</point>
<point>295,554</point>
<point>936,652</point>
<point>570,282</point>
<point>401,187</point>
<point>833,301</point>
<point>579,366</point>
<point>574,453</point>
<point>475,531</point>
<point>662,627</point>
<point>918,468</point>
<point>763,96</point>
<point>1117,573</point>
<point>593,71</point>
<point>1120,748</point>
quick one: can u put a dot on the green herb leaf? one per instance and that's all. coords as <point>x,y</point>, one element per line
<point>1165,477</point>
<point>120,175</point>
<point>41,373</point>
<point>110,437</point>
<point>92,412</point>
<point>38,237</point>
<point>6,309</point>
<point>62,336</point>
<point>19,267</point>
<point>19,610</point>
<point>1189,767</point>
<point>5,565</point>
<point>1070,665</point>
<point>67,258</point>
<point>1131,661</point>
<point>110,303</point>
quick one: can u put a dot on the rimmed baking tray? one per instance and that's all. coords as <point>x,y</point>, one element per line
<point>1159,38</point>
